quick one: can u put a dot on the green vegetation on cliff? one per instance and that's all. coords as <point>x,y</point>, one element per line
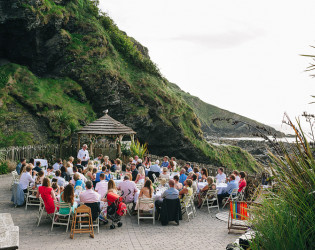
<point>85,64</point>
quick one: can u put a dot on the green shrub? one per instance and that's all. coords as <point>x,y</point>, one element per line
<point>4,169</point>
<point>137,149</point>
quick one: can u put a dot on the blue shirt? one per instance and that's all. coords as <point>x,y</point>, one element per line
<point>164,164</point>
<point>18,168</point>
<point>182,178</point>
<point>97,178</point>
<point>79,183</point>
<point>189,170</point>
<point>170,193</point>
<point>107,177</point>
<point>37,169</point>
<point>155,168</point>
<point>230,186</point>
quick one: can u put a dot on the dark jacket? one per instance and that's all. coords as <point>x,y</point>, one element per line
<point>95,209</point>
<point>134,174</point>
<point>66,176</point>
<point>170,211</point>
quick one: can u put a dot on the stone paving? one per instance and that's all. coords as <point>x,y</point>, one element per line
<point>202,232</point>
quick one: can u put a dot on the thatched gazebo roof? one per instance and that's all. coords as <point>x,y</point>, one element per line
<point>106,125</point>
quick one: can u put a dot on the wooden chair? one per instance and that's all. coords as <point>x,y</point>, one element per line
<point>62,219</point>
<point>233,197</point>
<point>147,212</point>
<point>238,214</point>
<point>31,199</point>
<point>82,212</point>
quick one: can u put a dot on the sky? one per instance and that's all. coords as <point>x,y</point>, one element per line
<point>239,55</point>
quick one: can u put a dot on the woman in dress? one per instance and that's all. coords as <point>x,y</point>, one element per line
<point>68,196</point>
<point>141,175</point>
<point>69,168</point>
<point>118,165</point>
<point>186,191</point>
<point>177,185</point>
<point>165,174</point>
<point>242,183</point>
<point>147,162</point>
<point>145,192</point>
<point>204,174</point>
<point>39,179</point>
<point>203,192</point>
<point>89,173</point>
<point>48,195</point>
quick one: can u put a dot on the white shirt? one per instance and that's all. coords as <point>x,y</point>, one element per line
<point>102,188</point>
<point>221,178</point>
<point>60,181</point>
<point>25,179</point>
<point>83,153</point>
<point>56,166</point>
<point>237,179</point>
<point>70,170</point>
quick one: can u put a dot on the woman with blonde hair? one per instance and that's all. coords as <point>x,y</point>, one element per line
<point>69,168</point>
<point>203,192</point>
<point>165,174</point>
<point>141,175</point>
<point>118,165</point>
<point>70,161</point>
<point>112,187</point>
<point>89,173</point>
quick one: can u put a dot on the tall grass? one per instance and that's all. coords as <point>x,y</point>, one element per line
<point>286,218</point>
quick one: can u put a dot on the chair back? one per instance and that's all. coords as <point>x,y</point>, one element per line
<point>238,210</point>
<point>146,200</point>
<point>83,209</point>
<point>139,185</point>
<point>59,205</point>
<point>211,193</point>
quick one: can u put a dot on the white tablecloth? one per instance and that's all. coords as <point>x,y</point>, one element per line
<point>156,196</point>
<point>220,186</point>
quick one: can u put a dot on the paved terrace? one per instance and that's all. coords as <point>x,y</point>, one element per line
<point>202,232</point>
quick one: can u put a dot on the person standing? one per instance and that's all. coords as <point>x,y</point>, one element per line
<point>83,155</point>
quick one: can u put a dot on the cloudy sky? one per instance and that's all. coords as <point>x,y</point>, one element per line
<point>240,55</point>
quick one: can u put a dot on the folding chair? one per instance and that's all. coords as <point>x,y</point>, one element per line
<point>31,199</point>
<point>147,212</point>
<point>155,178</point>
<point>233,197</point>
<point>63,219</point>
<point>139,185</point>
<point>210,199</point>
<point>238,215</point>
<point>41,211</point>
<point>241,195</point>
<point>187,207</point>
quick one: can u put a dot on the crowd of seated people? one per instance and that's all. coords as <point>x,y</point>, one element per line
<point>95,179</point>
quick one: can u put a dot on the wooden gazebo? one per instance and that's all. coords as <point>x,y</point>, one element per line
<point>106,126</point>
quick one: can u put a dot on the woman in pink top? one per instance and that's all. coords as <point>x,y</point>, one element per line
<point>242,183</point>
<point>48,195</point>
<point>141,176</point>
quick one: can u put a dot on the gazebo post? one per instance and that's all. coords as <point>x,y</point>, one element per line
<point>120,137</point>
<point>91,145</point>
<point>132,136</point>
<point>78,142</point>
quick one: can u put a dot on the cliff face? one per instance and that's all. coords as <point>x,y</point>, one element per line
<point>67,57</point>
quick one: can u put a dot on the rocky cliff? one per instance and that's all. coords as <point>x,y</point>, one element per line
<point>64,56</point>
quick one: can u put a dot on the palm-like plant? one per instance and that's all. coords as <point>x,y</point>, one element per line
<point>137,149</point>
<point>286,218</point>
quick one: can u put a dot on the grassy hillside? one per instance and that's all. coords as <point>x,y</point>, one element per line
<point>207,112</point>
<point>78,62</point>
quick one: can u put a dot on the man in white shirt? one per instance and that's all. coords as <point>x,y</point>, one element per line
<point>221,177</point>
<point>26,179</point>
<point>83,155</point>
<point>135,160</point>
<point>102,186</point>
<point>89,195</point>
<point>57,165</point>
<point>60,181</point>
